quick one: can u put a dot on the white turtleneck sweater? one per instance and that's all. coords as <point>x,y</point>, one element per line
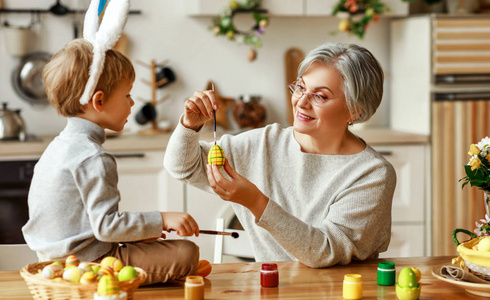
<point>73,199</point>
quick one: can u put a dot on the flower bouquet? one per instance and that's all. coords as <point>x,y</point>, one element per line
<point>478,168</point>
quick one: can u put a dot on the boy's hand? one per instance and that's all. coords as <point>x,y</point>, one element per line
<point>199,109</point>
<point>183,223</point>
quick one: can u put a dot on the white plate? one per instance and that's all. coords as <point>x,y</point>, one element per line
<point>479,289</point>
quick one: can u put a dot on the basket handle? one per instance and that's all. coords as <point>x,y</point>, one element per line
<point>458,230</point>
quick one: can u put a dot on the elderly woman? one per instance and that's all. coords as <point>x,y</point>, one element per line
<point>312,192</point>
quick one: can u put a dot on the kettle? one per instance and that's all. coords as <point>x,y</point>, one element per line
<point>12,126</point>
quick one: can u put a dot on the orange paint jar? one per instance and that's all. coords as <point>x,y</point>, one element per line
<point>194,288</point>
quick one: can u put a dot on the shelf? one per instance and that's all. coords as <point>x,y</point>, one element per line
<point>44,11</point>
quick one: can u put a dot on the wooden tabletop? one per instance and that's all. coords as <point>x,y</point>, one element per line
<point>296,281</point>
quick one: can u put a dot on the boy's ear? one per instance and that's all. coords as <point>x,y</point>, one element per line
<point>97,101</point>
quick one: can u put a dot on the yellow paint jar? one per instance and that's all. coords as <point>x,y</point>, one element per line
<point>194,288</point>
<point>352,286</point>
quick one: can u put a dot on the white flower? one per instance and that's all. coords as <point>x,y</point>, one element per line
<point>484,146</point>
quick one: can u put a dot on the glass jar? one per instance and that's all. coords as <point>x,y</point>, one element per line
<point>248,112</point>
<point>194,288</point>
<point>269,275</point>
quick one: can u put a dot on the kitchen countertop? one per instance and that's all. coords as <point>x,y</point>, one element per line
<point>127,142</point>
<point>296,281</point>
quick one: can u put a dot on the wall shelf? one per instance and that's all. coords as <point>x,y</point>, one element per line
<point>44,11</point>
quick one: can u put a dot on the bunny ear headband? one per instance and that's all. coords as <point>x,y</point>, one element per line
<point>103,38</point>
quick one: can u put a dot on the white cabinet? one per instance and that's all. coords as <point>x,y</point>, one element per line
<point>410,209</point>
<point>141,181</point>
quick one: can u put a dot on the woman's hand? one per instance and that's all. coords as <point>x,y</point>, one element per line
<point>199,109</point>
<point>238,189</point>
<point>183,223</point>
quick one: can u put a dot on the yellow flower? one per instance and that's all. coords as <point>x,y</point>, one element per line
<point>475,163</point>
<point>487,157</point>
<point>474,150</point>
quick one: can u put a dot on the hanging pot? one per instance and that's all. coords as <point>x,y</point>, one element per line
<point>27,79</point>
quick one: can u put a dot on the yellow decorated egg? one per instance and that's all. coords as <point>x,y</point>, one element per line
<point>112,262</point>
<point>105,271</point>
<point>107,286</point>
<point>216,156</point>
<point>88,277</point>
<point>71,261</point>
<point>72,274</point>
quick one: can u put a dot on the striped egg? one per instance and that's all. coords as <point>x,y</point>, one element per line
<point>216,156</point>
<point>71,261</point>
<point>72,274</point>
<point>203,268</point>
<point>59,263</point>
<point>112,262</point>
<point>107,286</point>
<point>52,271</point>
<point>105,271</point>
<point>88,277</point>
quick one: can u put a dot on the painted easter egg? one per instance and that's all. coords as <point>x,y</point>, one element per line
<point>127,273</point>
<point>88,277</point>
<point>203,268</point>
<point>72,274</point>
<point>107,286</point>
<point>59,263</point>
<point>216,156</point>
<point>52,271</point>
<point>71,261</point>
<point>112,262</point>
<point>105,271</point>
<point>96,268</point>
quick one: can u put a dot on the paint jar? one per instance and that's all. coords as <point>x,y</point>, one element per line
<point>352,286</point>
<point>194,288</point>
<point>269,275</point>
<point>386,273</point>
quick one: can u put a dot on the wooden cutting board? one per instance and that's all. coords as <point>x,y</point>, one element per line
<point>292,58</point>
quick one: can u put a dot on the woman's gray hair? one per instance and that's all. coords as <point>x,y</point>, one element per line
<point>361,72</point>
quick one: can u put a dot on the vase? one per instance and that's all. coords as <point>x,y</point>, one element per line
<point>486,201</point>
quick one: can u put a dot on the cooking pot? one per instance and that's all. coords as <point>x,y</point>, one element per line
<point>12,126</point>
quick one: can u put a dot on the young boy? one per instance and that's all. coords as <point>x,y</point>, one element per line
<point>73,198</point>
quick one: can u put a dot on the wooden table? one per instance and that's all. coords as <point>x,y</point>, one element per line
<point>296,281</point>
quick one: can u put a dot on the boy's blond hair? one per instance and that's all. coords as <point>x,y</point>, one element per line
<point>66,75</point>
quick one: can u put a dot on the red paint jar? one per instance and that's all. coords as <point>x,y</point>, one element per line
<point>269,275</point>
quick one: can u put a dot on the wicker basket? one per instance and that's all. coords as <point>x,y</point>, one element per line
<point>42,288</point>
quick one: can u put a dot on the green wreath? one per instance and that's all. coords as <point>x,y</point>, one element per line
<point>223,24</point>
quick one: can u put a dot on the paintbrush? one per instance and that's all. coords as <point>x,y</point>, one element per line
<point>232,234</point>
<point>214,118</point>
<point>235,235</point>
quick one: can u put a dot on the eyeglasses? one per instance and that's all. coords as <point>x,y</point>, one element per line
<point>315,99</point>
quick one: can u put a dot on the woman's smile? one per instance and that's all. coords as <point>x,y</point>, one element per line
<point>302,117</point>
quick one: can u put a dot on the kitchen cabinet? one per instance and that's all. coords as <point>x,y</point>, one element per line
<point>141,181</point>
<point>410,231</point>
<point>287,8</point>
<point>440,70</point>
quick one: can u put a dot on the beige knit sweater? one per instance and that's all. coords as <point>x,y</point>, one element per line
<point>323,209</point>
